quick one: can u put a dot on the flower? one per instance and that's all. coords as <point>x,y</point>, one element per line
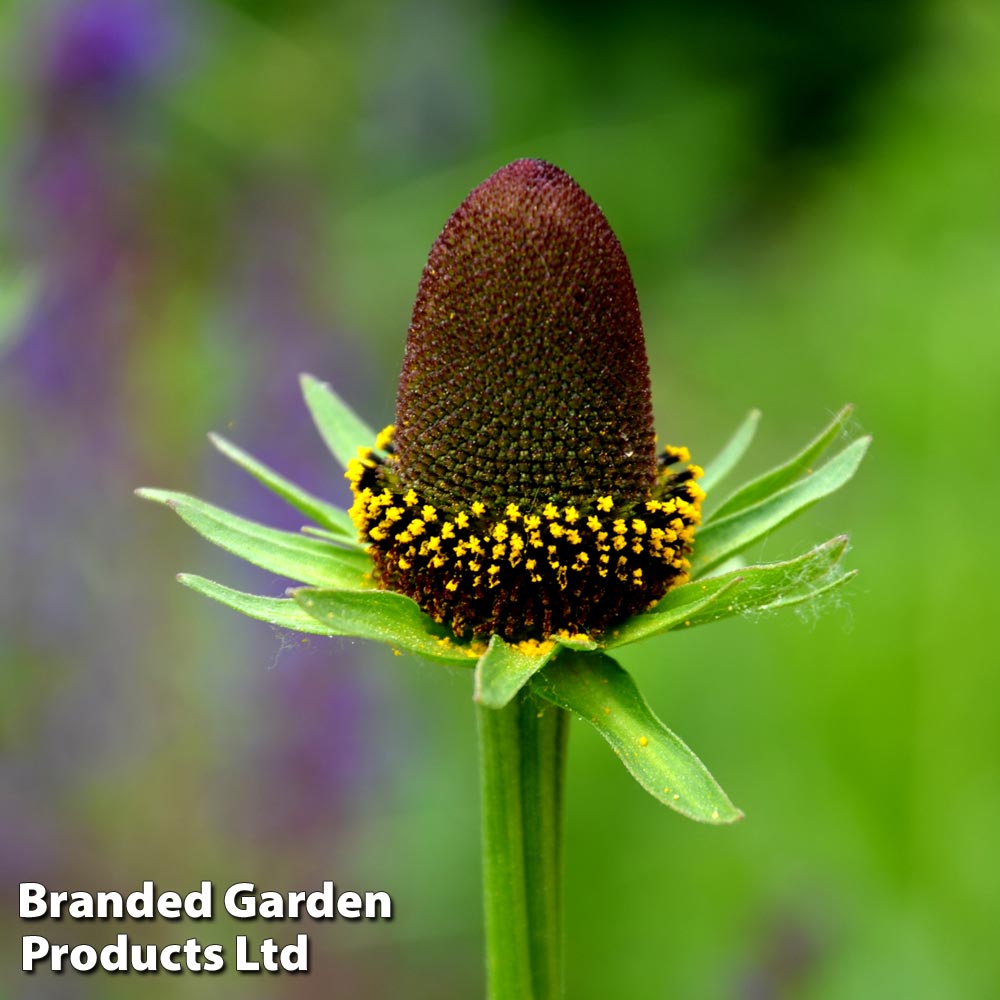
<point>516,518</point>
<point>104,48</point>
<point>519,492</point>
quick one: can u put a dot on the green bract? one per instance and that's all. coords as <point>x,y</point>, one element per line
<point>339,597</point>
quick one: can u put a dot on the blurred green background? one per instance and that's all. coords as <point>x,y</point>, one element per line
<point>202,199</point>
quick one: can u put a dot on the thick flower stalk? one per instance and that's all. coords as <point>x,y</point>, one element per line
<point>517,519</point>
<point>520,493</point>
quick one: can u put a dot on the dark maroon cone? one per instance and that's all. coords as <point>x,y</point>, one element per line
<point>521,494</point>
<point>525,376</point>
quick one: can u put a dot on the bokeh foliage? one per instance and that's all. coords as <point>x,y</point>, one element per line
<point>231,193</point>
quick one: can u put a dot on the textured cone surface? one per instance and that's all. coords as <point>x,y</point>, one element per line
<point>520,493</point>
<point>525,376</point>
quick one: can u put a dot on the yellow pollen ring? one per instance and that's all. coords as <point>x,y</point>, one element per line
<point>470,568</point>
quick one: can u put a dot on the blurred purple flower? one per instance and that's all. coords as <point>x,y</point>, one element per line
<point>311,761</point>
<point>77,218</point>
<point>282,327</point>
<point>107,47</point>
<point>79,194</point>
<point>87,216</point>
<point>789,952</point>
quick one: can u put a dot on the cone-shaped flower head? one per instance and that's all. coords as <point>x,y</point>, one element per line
<point>519,491</point>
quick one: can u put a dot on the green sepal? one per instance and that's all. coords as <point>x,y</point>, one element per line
<point>749,588</point>
<point>280,611</point>
<point>383,616</point>
<point>764,587</point>
<point>722,537</point>
<point>594,687</point>
<point>676,608</point>
<point>341,429</point>
<point>505,668</point>
<point>733,450</point>
<point>308,560</point>
<point>329,536</point>
<point>768,484</point>
<point>337,521</point>
<point>803,596</point>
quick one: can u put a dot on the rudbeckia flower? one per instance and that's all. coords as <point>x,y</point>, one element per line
<point>518,518</point>
<point>519,492</point>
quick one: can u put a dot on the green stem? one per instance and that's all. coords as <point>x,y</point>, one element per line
<point>522,750</point>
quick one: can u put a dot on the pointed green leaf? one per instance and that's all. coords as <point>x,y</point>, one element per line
<point>723,537</point>
<point>341,428</point>
<point>280,611</point>
<point>384,616</point>
<point>676,608</point>
<point>294,556</point>
<point>808,593</point>
<point>768,484</point>
<point>329,536</point>
<point>505,668</point>
<point>765,587</point>
<point>594,687</point>
<point>323,513</point>
<point>751,588</point>
<point>734,449</point>
<point>579,642</point>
